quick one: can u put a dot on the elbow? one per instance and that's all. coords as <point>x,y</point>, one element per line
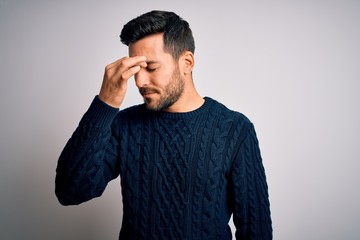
<point>73,194</point>
<point>68,198</point>
<point>65,194</point>
<point>64,199</point>
<point>63,202</point>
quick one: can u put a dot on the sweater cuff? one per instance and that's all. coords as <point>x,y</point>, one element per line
<point>100,113</point>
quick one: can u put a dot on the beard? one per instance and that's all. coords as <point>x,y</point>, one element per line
<point>172,92</point>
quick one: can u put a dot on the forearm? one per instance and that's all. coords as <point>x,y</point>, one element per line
<point>80,170</point>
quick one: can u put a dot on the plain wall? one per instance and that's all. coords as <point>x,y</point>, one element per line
<point>291,66</point>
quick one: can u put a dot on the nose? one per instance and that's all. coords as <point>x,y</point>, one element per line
<point>142,78</point>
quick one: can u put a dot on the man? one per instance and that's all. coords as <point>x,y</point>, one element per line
<point>186,162</point>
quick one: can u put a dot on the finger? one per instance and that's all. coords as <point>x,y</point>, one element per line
<point>114,64</point>
<point>128,62</point>
<point>130,72</point>
<point>142,64</point>
<point>134,61</point>
<point>120,68</point>
<point>127,68</point>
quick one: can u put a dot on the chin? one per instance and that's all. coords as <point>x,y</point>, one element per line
<point>152,108</point>
<point>150,104</point>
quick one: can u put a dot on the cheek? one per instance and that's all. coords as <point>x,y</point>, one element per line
<point>161,77</point>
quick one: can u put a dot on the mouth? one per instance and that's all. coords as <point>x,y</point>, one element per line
<point>147,91</point>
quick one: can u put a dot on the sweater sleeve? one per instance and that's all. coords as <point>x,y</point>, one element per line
<point>251,214</point>
<point>89,160</point>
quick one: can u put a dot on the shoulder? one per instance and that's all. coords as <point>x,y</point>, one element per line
<point>234,123</point>
<point>227,114</point>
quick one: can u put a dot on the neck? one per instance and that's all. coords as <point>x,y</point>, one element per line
<point>189,101</point>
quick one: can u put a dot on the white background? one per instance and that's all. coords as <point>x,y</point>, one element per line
<point>291,66</point>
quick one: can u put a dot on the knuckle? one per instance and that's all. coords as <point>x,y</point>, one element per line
<point>124,75</point>
<point>107,68</point>
<point>125,63</point>
<point>108,71</point>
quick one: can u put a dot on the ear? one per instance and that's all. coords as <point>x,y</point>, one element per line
<point>187,62</point>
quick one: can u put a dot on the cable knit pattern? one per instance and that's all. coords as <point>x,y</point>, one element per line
<point>182,174</point>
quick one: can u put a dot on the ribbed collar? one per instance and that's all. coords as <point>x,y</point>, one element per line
<point>205,107</point>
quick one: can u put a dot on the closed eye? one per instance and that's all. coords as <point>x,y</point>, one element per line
<point>150,69</point>
<point>152,65</point>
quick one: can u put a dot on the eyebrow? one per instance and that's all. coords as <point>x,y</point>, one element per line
<point>151,62</point>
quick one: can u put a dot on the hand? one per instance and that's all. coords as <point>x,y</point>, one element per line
<point>116,76</point>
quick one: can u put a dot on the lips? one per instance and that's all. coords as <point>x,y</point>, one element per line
<point>147,91</point>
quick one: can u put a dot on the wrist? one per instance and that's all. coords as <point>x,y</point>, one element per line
<point>113,102</point>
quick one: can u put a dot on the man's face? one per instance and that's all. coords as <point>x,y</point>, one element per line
<point>160,83</point>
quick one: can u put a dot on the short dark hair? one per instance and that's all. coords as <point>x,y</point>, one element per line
<point>178,36</point>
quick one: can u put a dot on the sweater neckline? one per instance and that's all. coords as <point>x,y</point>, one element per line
<point>182,115</point>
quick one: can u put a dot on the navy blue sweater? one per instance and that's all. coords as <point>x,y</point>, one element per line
<point>182,174</point>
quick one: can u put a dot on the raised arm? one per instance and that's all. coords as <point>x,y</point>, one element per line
<point>89,159</point>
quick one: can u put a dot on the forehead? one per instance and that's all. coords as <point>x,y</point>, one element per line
<point>151,46</point>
